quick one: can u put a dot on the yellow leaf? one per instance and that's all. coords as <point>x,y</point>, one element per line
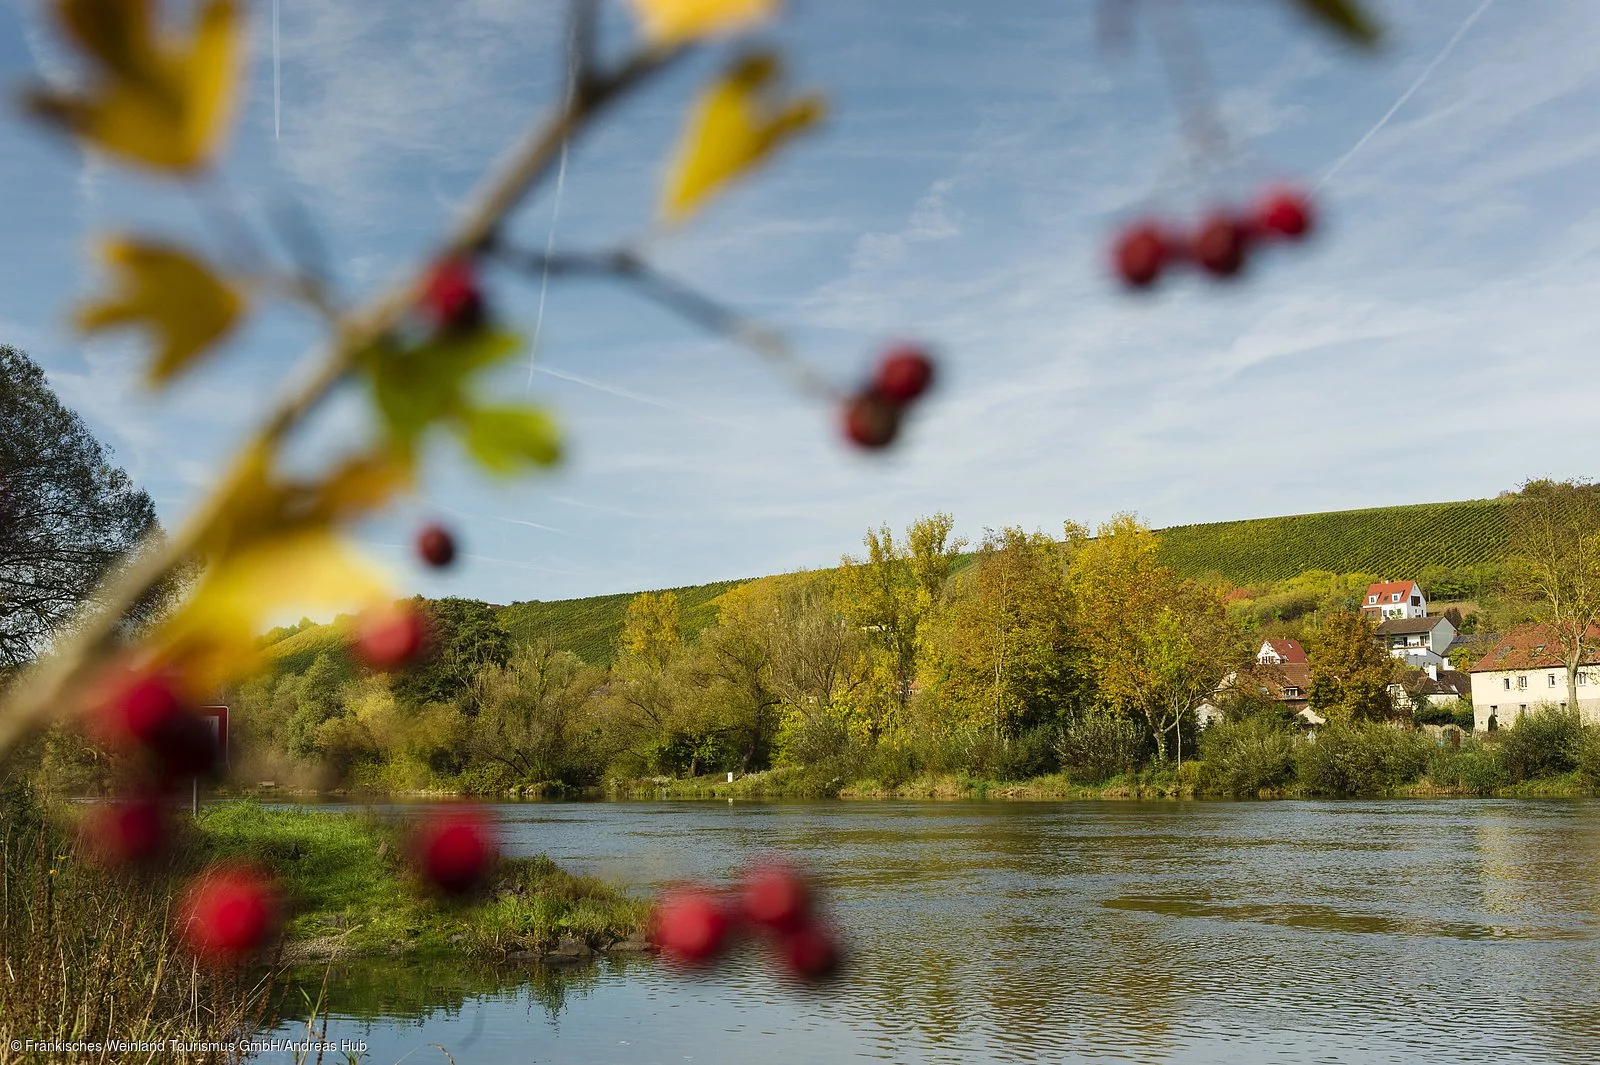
<point>173,295</point>
<point>159,102</point>
<point>737,124</point>
<point>212,637</point>
<point>1345,17</point>
<point>676,21</point>
<point>504,439</point>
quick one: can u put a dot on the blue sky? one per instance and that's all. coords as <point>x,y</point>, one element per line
<point>1436,344</point>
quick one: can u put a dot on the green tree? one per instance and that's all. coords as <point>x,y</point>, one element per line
<point>317,700</point>
<point>533,715</point>
<point>1002,657</point>
<point>67,515</point>
<point>1350,673</point>
<point>1553,566</point>
<point>466,637</point>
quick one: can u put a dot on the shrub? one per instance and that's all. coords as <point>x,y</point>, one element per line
<point>1424,712</point>
<point>1245,757</point>
<point>1361,759</point>
<point>1474,767</point>
<point>1099,746</point>
<point>1542,743</point>
<point>1587,756</point>
<point>1464,718</point>
<point>1030,754</point>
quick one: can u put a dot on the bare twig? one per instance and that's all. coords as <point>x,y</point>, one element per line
<point>49,687</point>
<point>683,300</point>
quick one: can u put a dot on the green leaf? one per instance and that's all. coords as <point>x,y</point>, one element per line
<point>1345,17</point>
<point>505,439</point>
<point>414,389</point>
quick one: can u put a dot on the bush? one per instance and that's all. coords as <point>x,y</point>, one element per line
<point>1245,757</point>
<point>1464,718</point>
<point>1543,743</point>
<point>1361,759</point>
<point>1474,767</point>
<point>1030,754</point>
<point>1587,756</point>
<point>1424,712</point>
<point>1098,747</point>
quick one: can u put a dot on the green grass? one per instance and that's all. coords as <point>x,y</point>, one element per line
<point>348,891</point>
<point>1395,542</point>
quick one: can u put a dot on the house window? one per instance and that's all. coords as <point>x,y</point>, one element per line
<point>1552,677</point>
<point>1583,678</point>
<point>1394,597</point>
<point>1522,682</point>
<point>1291,693</point>
<point>1416,600</point>
<point>1371,599</point>
<point>1508,683</point>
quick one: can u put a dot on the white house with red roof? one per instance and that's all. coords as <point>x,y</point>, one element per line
<point>1281,652</point>
<point>1525,671</point>
<point>1394,599</point>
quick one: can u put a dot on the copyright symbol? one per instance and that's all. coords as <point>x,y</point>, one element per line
<point>16,1046</point>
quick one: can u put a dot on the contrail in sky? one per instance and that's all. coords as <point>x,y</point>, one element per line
<point>275,124</point>
<point>1427,71</point>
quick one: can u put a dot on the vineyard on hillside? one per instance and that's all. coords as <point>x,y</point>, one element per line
<point>590,627</point>
<point>1393,543</point>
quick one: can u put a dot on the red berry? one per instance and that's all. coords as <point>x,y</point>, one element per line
<point>904,375</point>
<point>812,953</point>
<point>228,914</point>
<point>436,546</point>
<point>389,637</point>
<point>1285,213</point>
<point>148,711</point>
<point>775,896</point>
<point>127,832</point>
<point>691,926</point>
<point>452,298</point>
<point>455,850</point>
<point>1221,243</point>
<point>872,420</point>
<point>1140,254</point>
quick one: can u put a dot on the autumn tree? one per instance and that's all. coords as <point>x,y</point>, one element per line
<point>1553,566</point>
<point>1157,644</point>
<point>1003,657</point>
<point>891,592</point>
<point>644,703</point>
<point>819,666</point>
<point>1350,672</point>
<point>652,630</point>
<point>466,636</point>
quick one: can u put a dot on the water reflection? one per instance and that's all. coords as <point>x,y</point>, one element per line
<point>1253,933</point>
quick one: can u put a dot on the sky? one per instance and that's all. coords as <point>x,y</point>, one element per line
<point>1434,343</point>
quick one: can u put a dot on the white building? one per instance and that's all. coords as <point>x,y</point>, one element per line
<point>1394,599</point>
<point>1281,652</point>
<point>1421,641</point>
<point>1523,672</point>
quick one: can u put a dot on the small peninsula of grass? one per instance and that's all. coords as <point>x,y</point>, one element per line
<point>349,892</point>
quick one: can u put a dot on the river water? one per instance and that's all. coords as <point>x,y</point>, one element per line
<point>1403,931</point>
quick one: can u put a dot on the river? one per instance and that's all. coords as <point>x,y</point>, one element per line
<point>1382,931</point>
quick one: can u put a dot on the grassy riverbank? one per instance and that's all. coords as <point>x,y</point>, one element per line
<point>350,894</point>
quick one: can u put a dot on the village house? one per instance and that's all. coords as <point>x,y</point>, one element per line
<point>1421,641</point>
<point>1524,671</point>
<point>1394,599</point>
<point>1281,652</point>
<point>1446,686</point>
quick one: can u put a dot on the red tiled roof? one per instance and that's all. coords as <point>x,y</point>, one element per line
<point>1530,647</point>
<point>1288,650</point>
<point>1288,675</point>
<point>1389,588</point>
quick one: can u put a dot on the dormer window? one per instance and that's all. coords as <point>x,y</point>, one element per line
<point>1291,692</point>
<point>1371,599</point>
<point>1394,597</point>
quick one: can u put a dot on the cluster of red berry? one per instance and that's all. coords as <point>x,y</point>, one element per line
<point>228,912</point>
<point>1220,245</point>
<point>695,926</point>
<point>872,415</point>
<point>452,301</point>
<point>454,851</point>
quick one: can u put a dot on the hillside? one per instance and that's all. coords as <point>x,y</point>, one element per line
<point>1391,542</point>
